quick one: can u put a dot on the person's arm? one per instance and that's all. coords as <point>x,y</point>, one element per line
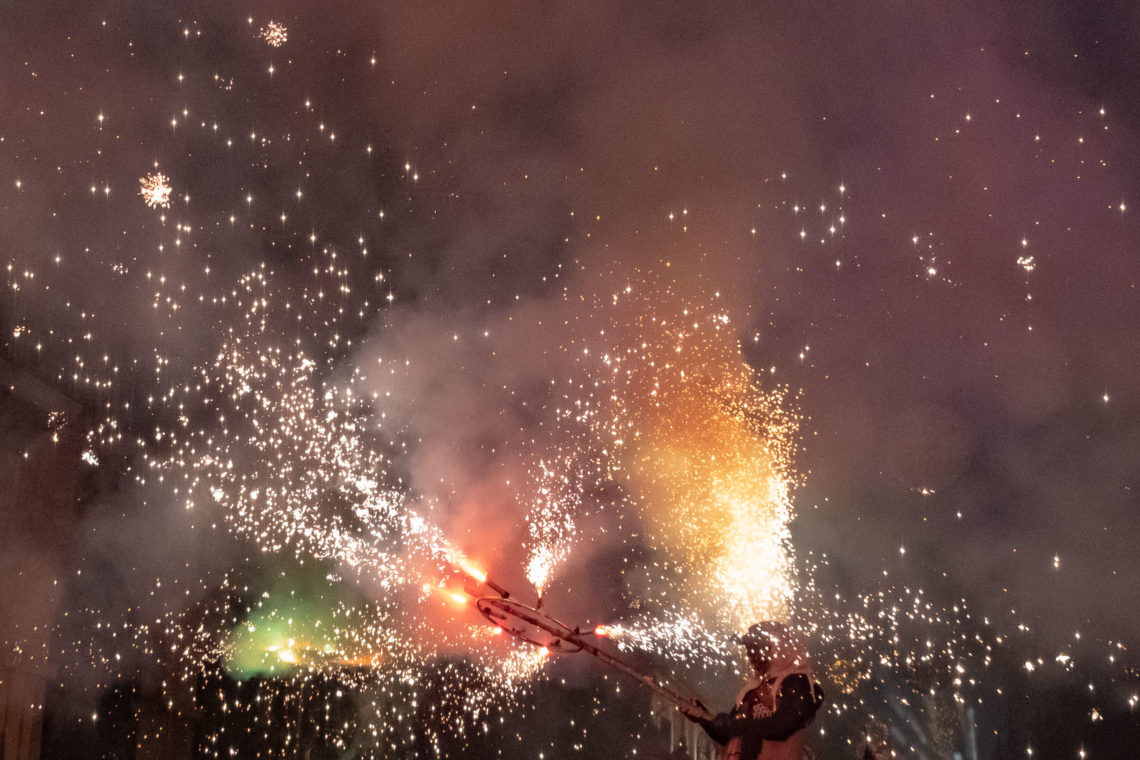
<point>795,708</point>
<point>717,728</point>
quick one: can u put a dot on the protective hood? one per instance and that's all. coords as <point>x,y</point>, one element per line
<point>787,656</point>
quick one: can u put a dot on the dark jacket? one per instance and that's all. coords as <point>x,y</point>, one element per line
<point>796,705</point>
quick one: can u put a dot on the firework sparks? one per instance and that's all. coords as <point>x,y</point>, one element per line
<point>550,523</point>
<point>709,452</point>
<point>275,34</point>
<point>155,190</point>
<point>639,464</point>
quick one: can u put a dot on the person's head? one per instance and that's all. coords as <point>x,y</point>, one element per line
<point>765,642</point>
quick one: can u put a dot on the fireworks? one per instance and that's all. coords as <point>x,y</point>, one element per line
<point>550,522</point>
<point>299,540</point>
<point>707,450</point>
<point>663,413</point>
<point>155,190</point>
<point>274,33</point>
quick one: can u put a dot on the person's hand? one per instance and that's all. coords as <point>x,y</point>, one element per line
<point>695,711</point>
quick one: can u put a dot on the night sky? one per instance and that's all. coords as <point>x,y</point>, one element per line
<point>920,224</point>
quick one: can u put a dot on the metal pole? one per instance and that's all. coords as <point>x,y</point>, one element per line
<point>576,639</point>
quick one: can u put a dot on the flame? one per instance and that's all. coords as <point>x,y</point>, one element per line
<point>466,566</point>
<point>460,561</point>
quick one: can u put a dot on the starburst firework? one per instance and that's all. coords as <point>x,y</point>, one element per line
<point>155,190</point>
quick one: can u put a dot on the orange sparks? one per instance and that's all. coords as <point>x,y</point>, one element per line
<point>466,566</point>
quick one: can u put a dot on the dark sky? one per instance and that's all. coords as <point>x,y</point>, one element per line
<point>923,216</point>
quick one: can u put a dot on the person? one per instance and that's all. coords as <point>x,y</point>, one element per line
<point>775,706</point>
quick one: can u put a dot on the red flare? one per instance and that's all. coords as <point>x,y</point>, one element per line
<point>466,566</point>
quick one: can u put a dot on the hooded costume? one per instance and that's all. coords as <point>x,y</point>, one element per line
<point>774,707</point>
